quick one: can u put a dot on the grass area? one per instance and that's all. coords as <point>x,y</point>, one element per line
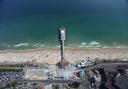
<point>11,69</point>
<point>16,67</point>
<point>12,65</point>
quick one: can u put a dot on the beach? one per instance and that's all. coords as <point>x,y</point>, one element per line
<point>52,56</point>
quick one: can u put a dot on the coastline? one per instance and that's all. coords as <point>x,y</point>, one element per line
<point>52,55</point>
<point>58,49</point>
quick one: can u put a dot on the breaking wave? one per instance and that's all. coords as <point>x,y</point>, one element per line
<point>95,44</point>
<point>21,44</point>
<point>92,44</point>
<point>27,45</point>
<point>33,45</point>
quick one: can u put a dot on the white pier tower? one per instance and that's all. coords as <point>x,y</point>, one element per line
<point>62,38</point>
<point>63,63</point>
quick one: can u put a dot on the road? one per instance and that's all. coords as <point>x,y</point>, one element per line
<point>49,81</point>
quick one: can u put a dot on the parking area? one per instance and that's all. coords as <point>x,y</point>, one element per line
<point>7,77</point>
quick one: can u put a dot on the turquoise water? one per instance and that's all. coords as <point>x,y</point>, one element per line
<point>90,23</point>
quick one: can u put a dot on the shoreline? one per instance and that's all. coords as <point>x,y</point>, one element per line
<point>58,49</point>
<point>52,55</point>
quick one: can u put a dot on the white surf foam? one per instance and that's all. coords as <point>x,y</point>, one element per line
<point>38,45</point>
<point>91,44</point>
<point>94,43</point>
<point>122,46</point>
<point>22,44</point>
<point>83,43</point>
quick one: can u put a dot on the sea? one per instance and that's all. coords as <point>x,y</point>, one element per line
<point>31,24</point>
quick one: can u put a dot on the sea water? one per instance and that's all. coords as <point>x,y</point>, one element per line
<point>28,24</point>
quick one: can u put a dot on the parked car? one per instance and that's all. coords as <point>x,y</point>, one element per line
<point>84,63</point>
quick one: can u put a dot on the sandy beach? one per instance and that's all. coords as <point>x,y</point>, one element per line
<point>52,56</point>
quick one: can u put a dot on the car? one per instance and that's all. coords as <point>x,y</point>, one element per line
<point>84,63</point>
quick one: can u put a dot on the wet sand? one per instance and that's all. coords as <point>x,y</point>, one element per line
<point>52,56</point>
